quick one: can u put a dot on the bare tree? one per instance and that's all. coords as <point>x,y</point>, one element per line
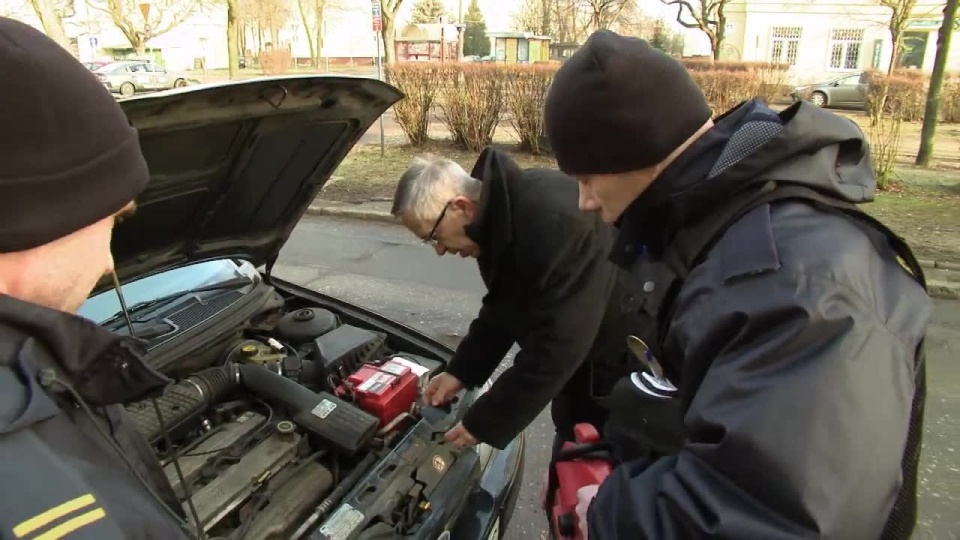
<point>311,13</point>
<point>900,12</point>
<point>388,20</point>
<point>141,22</point>
<point>704,15</point>
<point>564,20</point>
<point>931,113</point>
<point>605,13</point>
<point>51,14</point>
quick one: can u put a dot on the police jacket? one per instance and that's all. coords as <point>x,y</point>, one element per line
<point>71,464</point>
<point>794,343</point>
<point>550,289</point>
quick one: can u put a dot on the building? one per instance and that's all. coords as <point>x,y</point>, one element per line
<point>519,47</point>
<point>824,39</point>
<point>427,42</point>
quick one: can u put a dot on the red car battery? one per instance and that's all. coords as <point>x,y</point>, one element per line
<point>582,463</point>
<point>385,390</point>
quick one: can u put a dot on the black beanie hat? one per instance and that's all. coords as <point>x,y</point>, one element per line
<point>68,155</point>
<point>618,105</point>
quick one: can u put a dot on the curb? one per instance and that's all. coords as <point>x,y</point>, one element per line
<point>351,213</point>
<point>948,290</point>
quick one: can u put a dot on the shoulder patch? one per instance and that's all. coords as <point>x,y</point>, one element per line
<point>747,247</point>
<point>61,520</point>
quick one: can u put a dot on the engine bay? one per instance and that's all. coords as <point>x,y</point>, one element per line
<point>280,432</point>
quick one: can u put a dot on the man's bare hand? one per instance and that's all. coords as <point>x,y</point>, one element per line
<point>460,437</point>
<point>441,389</point>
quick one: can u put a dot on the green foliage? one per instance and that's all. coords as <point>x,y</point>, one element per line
<point>428,12</point>
<point>475,40</point>
<point>660,39</point>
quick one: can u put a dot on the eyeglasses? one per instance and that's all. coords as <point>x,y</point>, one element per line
<point>431,238</point>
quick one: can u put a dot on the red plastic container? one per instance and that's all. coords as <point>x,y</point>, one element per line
<point>384,391</point>
<point>577,466</point>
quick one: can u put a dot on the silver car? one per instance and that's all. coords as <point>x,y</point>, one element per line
<point>847,91</point>
<point>130,77</point>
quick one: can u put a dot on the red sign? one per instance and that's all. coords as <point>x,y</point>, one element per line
<point>377,20</point>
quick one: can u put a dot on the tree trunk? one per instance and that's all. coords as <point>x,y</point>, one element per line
<point>932,111</point>
<point>233,39</point>
<point>308,32</point>
<point>386,33</point>
<point>894,51</point>
<point>140,47</point>
<point>52,24</point>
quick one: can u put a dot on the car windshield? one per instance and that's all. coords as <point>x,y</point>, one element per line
<point>105,305</point>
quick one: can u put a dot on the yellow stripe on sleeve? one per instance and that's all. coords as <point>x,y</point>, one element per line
<point>57,512</point>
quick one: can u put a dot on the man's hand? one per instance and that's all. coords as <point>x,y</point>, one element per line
<point>441,389</point>
<point>584,496</point>
<point>460,437</point>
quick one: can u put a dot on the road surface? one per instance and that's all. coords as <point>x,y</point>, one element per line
<point>381,266</point>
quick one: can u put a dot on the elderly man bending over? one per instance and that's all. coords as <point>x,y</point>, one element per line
<point>550,289</point>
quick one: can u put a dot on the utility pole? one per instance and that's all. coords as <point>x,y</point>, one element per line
<point>931,114</point>
<point>460,30</point>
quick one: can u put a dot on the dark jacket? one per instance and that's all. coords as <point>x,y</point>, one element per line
<point>57,448</point>
<point>551,289</point>
<point>793,343</point>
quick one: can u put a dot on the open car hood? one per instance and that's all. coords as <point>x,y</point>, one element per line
<point>233,167</point>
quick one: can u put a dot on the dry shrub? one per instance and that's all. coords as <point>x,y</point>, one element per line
<point>275,61</point>
<point>526,95</point>
<point>901,95</point>
<point>728,83</point>
<point>418,82</point>
<point>950,101</point>
<point>725,89</point>
<point>884,148</point>
<point>472,102</point>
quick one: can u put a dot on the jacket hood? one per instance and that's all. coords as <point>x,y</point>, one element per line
<point>751,145</point>
<point>234,166</point>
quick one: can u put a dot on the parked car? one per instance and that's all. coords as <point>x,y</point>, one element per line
<point>297,413</point>
<point>95,65</point>
<point>129,77</point>
<point>849,91</point>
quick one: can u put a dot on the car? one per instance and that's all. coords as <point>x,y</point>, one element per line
<point>95,64</point>
<point>129,77</point>
<point>293,414</point>
<point>849,91</point>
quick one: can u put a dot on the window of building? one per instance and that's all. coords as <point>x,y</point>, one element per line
<point>845,45</point>
<point>784,44</point>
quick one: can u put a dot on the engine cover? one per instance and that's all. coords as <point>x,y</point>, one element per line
<point>386,390</point>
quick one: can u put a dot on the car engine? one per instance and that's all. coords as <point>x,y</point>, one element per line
<point>270,438</point>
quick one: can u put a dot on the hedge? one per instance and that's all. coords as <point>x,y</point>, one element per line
<point>907,95</point>
<point>473,99</point>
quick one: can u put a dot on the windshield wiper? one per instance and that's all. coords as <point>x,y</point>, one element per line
<point>139,307</point>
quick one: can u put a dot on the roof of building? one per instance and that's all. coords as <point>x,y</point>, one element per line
<point>427,32</point>
<point>518,35</point>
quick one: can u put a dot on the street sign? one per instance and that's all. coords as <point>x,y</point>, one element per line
<point>93,42</point>
<point>377,13</point>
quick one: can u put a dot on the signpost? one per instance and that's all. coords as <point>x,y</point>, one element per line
<point>377,20</point>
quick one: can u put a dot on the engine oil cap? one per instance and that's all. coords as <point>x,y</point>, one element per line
<point>249,350</point>
<point>285,427</point>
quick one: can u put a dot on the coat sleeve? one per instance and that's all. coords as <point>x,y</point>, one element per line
<point>571,283</point>
<point>483,348</point>
<point>51,493</point>
<point>797,429</point>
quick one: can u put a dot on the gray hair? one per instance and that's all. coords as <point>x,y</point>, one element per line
<point>429,183</point>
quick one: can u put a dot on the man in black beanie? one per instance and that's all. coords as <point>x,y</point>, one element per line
<point>70,166</point>
<point>791,322</point>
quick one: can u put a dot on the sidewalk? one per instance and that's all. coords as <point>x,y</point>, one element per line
<point>943,278</point>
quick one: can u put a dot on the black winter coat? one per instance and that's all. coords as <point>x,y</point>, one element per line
<point>551,289</point>
<point>794,343</point>
<point>74,463</point>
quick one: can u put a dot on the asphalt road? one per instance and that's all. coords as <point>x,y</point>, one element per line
<point>383,267</point>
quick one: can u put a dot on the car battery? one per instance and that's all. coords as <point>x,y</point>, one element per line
<point>385,390</point>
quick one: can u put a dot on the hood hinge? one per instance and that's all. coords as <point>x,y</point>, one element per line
<point>268,269</point>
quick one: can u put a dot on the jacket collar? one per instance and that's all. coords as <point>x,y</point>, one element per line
<point>492,227</point>
<point>103,368</point>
